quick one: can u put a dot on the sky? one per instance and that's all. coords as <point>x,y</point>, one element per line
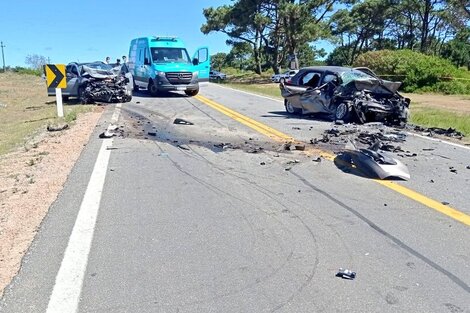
<point>89,30</point>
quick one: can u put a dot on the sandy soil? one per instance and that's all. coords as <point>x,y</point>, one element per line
<point>30,180</point>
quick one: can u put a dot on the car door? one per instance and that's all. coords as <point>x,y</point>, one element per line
<point>72,77</point>
<point>309,100</point>
<point>203,65</point>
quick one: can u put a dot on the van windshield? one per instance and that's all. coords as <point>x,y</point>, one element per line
<point>170,55</point>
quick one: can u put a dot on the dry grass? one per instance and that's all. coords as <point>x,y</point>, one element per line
<point>25,108</point>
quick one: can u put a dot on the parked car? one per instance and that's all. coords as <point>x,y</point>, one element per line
<point>97,81</point>
<point>347,93</point>
<point>283,77</point>
<point>215,75</point>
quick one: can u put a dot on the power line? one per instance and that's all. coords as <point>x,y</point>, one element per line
<point>3,55</point>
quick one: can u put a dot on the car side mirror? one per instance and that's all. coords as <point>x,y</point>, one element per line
<point>146,61</point>
<point>195,61</point>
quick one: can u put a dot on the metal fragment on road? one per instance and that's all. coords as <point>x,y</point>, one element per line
<point>346,274</point>
<point>152,133</point>
<point>180,121</point>
<point>107,134</point>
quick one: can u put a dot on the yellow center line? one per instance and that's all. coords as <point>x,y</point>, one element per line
<point>281,137</point>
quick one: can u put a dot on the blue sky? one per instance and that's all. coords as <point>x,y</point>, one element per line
<point>89,30</point>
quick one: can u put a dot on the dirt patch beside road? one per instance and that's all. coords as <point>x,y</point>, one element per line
<point>445,102</point>
<point>30,180</point>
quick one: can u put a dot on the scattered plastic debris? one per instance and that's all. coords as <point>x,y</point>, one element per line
<point>181,121</point>
<point>346,274</point>
<point>107,134</point>
<point>152,133</point>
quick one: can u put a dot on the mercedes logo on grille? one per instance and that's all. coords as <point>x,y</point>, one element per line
<point>180,76</point>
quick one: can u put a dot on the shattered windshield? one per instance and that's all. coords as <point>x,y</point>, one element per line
<point>170,55</point>
<point>100,66</point>
<point>352,75</point>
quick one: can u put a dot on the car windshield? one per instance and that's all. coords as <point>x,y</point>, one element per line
<point>170,55</point>
<point>352,75</point>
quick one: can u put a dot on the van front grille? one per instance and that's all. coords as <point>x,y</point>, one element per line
<point>179,77</point>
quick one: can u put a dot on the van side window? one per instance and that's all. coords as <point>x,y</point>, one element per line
<point>202,55</point>
<point>140,55</point>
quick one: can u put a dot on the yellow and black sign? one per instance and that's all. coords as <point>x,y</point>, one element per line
<point>55,76</point>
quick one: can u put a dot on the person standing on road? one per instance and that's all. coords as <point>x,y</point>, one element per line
<point>107,60</point>
<point>124,59</point>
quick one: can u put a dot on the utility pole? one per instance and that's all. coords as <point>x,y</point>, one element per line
<point>3,55</point>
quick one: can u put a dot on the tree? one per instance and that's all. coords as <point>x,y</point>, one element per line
<point>218,60</point>
<point>35,61</point>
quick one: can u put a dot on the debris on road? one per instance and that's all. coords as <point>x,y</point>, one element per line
<point>453,170</point>
<point>293,162</point>
<point>180,121</point>
<point>183,147</point>
<point>296,128</point>
<point>346,274</point>
<point>152,133</point>
<point>318,160</point>
<point>300,147</point>
<point>445,203</point>
<point>431,131</point>
<point>374,163</point>
<point>468,167</point>
<point>262,163</point>
<point>107,134</point>
<point>57,128</point>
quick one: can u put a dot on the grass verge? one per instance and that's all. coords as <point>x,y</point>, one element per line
<point>25,109</point>
<point>445,117</point>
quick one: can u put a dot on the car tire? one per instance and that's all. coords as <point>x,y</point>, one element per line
<point>282,80</point>
<point>80,96</point>
<point>65,98</point>
<point>343,112</point>
<point>191,93</point>
<point>152,89</point>
<point>290,108</point>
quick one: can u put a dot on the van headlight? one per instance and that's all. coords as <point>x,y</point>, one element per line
<point>161,74</point>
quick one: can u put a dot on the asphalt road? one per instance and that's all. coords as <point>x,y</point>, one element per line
<point>218,217</point>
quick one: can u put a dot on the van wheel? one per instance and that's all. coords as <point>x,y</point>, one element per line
<point>152,88</point>
<point>191,93</point>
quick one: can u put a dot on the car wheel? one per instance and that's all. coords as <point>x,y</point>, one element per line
<point>191,93</point>
<point>290,108</point>
<point>152,88</point>
<point>81,95</point>
<point>282,80</point>
<point>343,112</point>
<point>65,98</point>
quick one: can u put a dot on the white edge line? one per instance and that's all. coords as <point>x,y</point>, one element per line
<point>65,295</point>
<point>439,140</point>
<point>409,133</point>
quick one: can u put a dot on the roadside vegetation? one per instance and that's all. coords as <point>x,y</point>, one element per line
<point>26,109</point>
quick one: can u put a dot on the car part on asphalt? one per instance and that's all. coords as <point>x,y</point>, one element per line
<point>350,95</point>
<point>431,131</point>
<point>346,274</point>
<point>375,163</point>
<point>181,121</point>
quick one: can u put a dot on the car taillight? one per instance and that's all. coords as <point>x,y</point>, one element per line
<point>288,81</point>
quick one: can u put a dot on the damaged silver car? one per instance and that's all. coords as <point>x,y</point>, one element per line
<point>97,81</point>
<point>350,95</point>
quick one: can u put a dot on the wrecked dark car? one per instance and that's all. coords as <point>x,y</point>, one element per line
<point>97,82</point>
<point>350,95</point>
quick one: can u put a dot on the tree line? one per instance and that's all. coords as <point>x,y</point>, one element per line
<point>278,33</point>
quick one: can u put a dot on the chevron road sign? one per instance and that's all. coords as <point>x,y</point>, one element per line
<point>55,77</point>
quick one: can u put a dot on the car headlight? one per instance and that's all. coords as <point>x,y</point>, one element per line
<point>162,74</point>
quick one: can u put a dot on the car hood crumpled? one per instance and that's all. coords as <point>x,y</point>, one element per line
<point>97,73</point>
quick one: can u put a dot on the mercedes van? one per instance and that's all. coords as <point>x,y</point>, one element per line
<point>163,64</point>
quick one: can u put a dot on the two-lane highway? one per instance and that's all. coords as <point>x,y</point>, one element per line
<point>218,217</point>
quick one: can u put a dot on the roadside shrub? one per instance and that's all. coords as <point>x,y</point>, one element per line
<point>417,71</point>
<point>27,71</point>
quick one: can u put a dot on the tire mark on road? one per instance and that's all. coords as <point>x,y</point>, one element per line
<point>394,239</point>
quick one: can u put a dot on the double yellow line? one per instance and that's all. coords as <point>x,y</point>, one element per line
<point>281,137</point>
